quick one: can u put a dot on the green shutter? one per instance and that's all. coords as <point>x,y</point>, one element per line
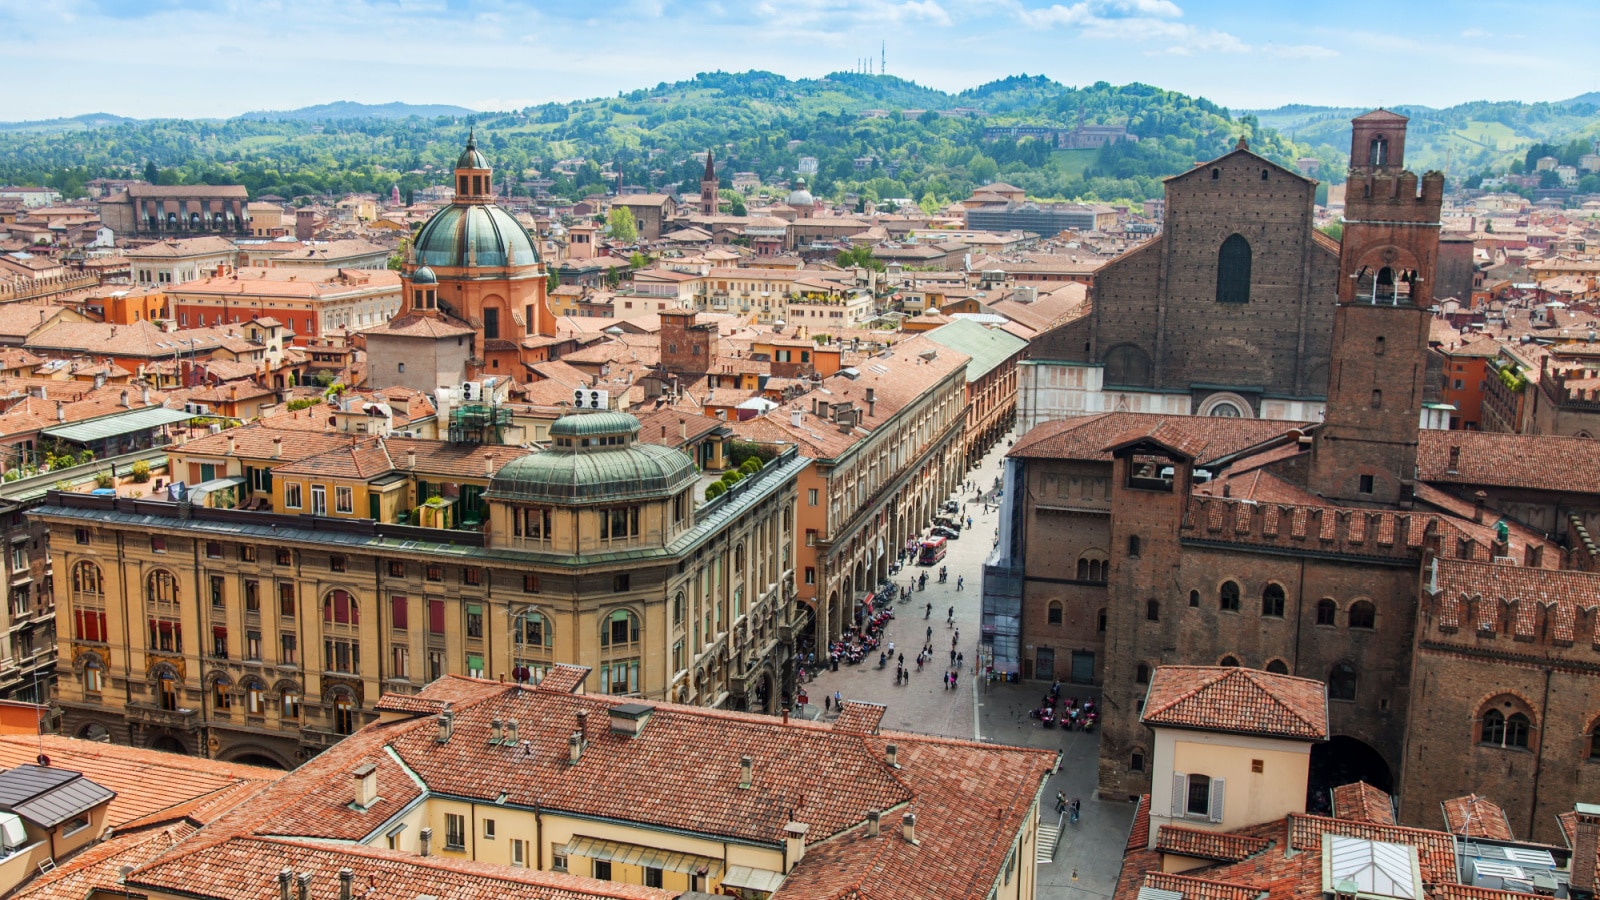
<point>475,663</point>
<point>474,609</point>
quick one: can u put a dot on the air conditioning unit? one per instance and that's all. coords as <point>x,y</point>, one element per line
<point>589,398</point>
<point>471,390</point>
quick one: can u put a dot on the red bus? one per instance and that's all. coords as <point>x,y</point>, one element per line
<point>931,551</point>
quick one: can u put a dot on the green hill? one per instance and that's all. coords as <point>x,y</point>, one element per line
<point>854,124</point>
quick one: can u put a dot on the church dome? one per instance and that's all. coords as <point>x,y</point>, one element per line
<point>424,275</point>
<point>489,232</point>
<point>800,197</point>
<point>594,457</point>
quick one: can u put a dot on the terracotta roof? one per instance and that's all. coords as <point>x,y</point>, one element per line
<point>97,869</point>
<point>1490,459</point>
<point>1246,701</point>
<point>1139,834</point>
<point>679,772</point>
<point>860,717</point>
<point>1196,888</point>
<point>147,782</point>
<point>1436,850</point>
<point>1218,845</point>
<point>1361,802</point>
<point>255,441</point>
<point>564,678</point>
<point>1521,594</point>
<point>415,326</point>
<point>1476,817</point>
<point>1088,437</point>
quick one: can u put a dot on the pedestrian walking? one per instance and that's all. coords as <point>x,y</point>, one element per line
<point>928,615</point>
<point>960,660</point>
<point>838,701</point>
<point>827,703</point>
<point>969,521</point>
<point>1074,806</point>
<point>960,580</point>
<point>952,657</point>
<point>1061,803</point>
<point>951,619</point>
<point>930,632</point>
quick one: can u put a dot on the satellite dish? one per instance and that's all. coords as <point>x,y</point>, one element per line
<point>44,761</point>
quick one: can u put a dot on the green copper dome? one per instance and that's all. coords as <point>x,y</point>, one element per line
<point>593,459</point>
<point>424,275</point>
<point>489,232</point>
<point>470,158</point>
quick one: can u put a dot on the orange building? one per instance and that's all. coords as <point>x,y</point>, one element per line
<point>1466,378</point>
<point>128,305</point>
<point>474,265</point>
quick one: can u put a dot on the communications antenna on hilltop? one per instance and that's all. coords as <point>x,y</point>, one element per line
<point>883,57</point>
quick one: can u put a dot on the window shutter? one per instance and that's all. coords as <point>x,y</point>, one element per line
<point>1216,799</point>
<point>1180,794</point>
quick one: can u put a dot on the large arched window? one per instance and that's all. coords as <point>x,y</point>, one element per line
<point>1128,365</point>
<point>1506,728</point>
<point>1141,674</point>
<point>1327,611</point>
<point>1228,596</point>
<point>1363,614</point>
<point>86,581</point>
<point>341,642</point>
<point>1378,151</point>
<point>530,633</point>
<point>339,608</point>
<point>166,629</point>
<point>88,603</point>
<point>1272,601</point>
<point>1233,270</point>
<point>619,648</point>
<point>1278,667</point>
<point>1342,682</point>
<point>1054,612</point>
<point>1092,566</point>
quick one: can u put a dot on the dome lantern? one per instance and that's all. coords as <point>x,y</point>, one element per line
<point>474,178</point>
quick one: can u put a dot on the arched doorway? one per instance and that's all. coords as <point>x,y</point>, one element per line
<point>166,743</point>
<point>1343,760</point>
<point>94,731</point>
<point>258,759</point>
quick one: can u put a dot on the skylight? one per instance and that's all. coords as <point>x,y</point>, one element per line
<point>1370,868</point>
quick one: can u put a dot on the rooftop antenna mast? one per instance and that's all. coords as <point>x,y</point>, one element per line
<point>883,57</point>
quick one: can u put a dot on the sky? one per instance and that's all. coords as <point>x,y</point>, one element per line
<point>217,58</point>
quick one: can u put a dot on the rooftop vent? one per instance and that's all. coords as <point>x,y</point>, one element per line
<point>630,718</point>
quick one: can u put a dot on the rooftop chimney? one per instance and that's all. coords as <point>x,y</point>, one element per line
<point>794,844</point>
<point>347,878</point>
<point>446,727</point>
<point>232,444</point>
<point>1478,500</point>
<point>574,748</point>
<point>872,822</point>
<point>303,886</point>
<point>285,879</point>
<point>683,429</point>
<point>583,722</point>
<point>892,754</point>
<point>908,827</point>
<point>495,729</point>
<point>425,841</point>
<point>277,447</point>
<point>124,401</point>
<point>744,772</point>
<point>411,459</point>
<point>511,732</point>
<point>61,411</point>
<point>872,401</point>
<point>366,779</point>
<point>144,396</point>
<point>488,465</point>
<point>796,417</point>
<point>1584,849</point>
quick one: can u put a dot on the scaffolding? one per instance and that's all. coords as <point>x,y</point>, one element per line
<point>479,423</point>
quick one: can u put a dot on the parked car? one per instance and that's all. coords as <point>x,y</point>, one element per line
<point>949,533</point>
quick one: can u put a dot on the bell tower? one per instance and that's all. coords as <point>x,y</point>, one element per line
<point>474,178</point>
<point>1365,452</point>
<point>708,188</point>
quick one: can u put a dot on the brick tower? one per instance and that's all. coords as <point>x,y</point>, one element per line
<point>708,188</point>
<point>1366,450</point>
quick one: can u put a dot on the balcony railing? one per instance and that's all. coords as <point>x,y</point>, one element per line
<point>153,714</point>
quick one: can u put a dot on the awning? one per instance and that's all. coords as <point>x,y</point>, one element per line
<point>745,877</point>
<point>649,857</point>
<point>118,425</point>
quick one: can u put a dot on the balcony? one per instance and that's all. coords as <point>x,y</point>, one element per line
<point>152,714</point>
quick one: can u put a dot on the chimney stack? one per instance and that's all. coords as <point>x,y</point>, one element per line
<point>872,401</point>
<point>285,879</point>
<point>446,727</point>
<point>794,845</point>
<point>683,429</point>
<point>511,732</point>
<point>61,411</point>
<point>347,878</point>
<point>908,827</point>
<point>1478,500</point>
<point>892,753</point>
<point>411,459</point>
<point>488,465</point>
<point>303,886</point>
<point>574,748</point>
<point>277,447</point>
<point>744,772</point>
<point>1585,847</point>
<point>232,444</point>
<point>796,417</point>
<point>873,816</point>
<point>495,729</point>
<point>144,396</point>
<point>124,401</point>
<point>366,779</point>
<point>425,841</point>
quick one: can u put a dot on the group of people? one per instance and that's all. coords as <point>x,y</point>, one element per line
<point>1071,715</point>
<point>856,644</point>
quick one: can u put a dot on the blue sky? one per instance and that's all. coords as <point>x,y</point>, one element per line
<point>223,57</point>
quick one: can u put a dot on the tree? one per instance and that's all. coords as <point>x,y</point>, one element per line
<point>554,281</point>
<point>736,206</point>
<point>151,173</point>
<point>622,225</point>
<point>1334,230</point>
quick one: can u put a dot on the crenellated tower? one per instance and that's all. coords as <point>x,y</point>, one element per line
<point>1366,450</point>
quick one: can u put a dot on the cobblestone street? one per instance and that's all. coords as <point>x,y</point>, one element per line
<point>1090,853</point>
